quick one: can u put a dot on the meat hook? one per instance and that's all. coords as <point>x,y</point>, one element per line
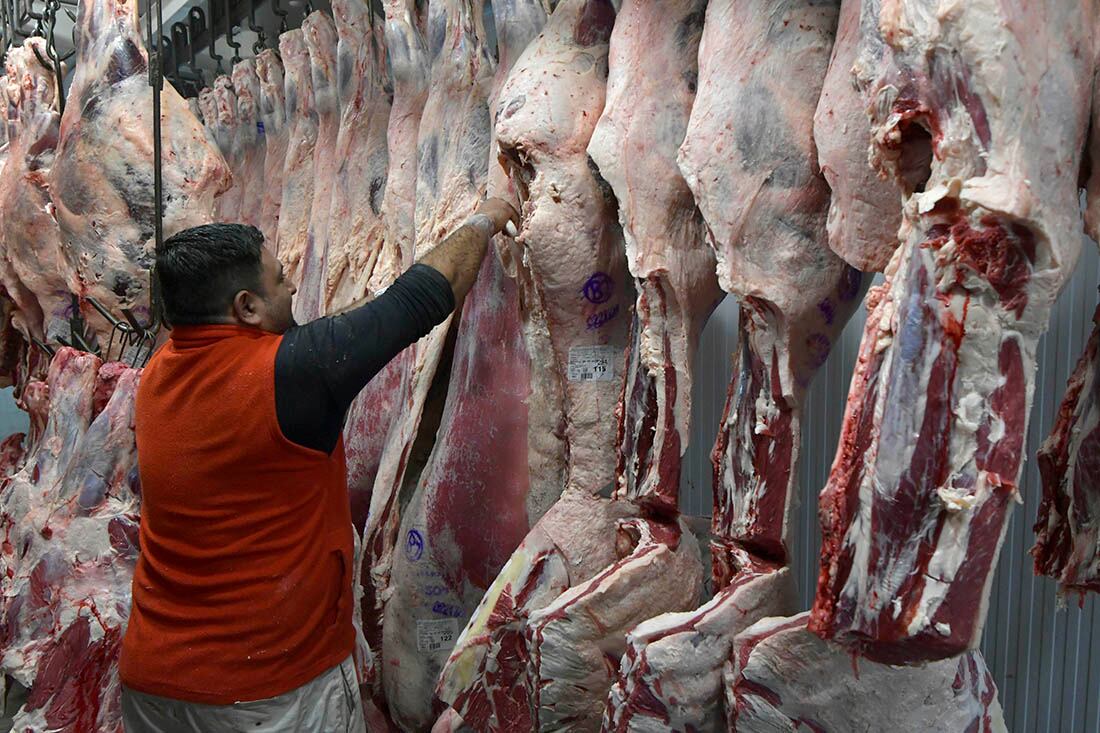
<point>261,37</point>
<point>181,38</point>
<point>17,18</point>
<point>5,29</point>
<point>213,38</point>
<point>54,63</point>
<point>122,333</point>
<point>78,336</point>
<point>281,14</point>
<point>46,348</point>
<point>52,6</point>
<point>168,57</point>
<point>29,14</point>
<point>235,45</point>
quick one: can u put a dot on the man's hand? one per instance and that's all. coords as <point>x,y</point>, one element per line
<point>500,213</point>
<point>458,257</point>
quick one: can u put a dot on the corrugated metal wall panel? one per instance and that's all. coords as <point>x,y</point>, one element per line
<point>1046,660</point>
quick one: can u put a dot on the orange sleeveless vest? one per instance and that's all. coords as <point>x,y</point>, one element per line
<point>243,587</point>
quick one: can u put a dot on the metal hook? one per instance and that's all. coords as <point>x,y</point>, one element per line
<point>27,13</point>
<point>281,14</point>
<point>130,335</point>
<point>261,37</point>
<point>17,18</point>
<point>52,6</point>
<point>46,348</point>
<point>181,42</point>
<point>168,57</point>
<point>235,45</point>
<point>78,336</point>
<point>196,20</point>
<point>213,36</point>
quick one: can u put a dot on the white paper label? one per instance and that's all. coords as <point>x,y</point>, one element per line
<point>593,363</point>
<point>436,635</point>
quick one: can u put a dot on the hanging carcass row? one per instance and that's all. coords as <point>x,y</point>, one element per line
<point>750,162</point>
<point>1067,530</point>
<point>932,444</point>
<point>560,608</point>
<point>226,133</point>
<point>373,411</point>
<point>865,209</point>
<point>101,182</point>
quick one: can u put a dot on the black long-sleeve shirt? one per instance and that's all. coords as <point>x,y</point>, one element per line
<point>321,366</point>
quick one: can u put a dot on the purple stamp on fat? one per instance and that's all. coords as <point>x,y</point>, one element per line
<point>598,288</point>
<point>414,545</point>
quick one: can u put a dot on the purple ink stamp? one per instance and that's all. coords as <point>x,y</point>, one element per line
<point>598,288</point>
<point>414,545</point>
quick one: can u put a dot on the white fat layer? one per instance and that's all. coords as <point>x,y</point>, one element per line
<point>809,679</point>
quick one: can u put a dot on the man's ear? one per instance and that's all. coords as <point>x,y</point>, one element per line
<point>246,308</point>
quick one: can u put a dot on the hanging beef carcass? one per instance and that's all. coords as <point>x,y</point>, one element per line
<point>539,642</point>
<point>479,459</point>
<point>250,143</point>
<point>452,151</point>
<point>650,90</point>
<point>865,212</point>
<point>321,40</point>
<point>226,132</point>
<point>67,600</point>
<point>376,406</point>
<point>301,119</point>
<point>101,182</point>
<point>34,271</point>
<point>782,677</point>
<point>450,183</point>
<point>1068,527</point>
<point>410,65</point>
<point>932,444</point>
<point>269,70</point>
<point>751,165</point>
<point>356,228</point>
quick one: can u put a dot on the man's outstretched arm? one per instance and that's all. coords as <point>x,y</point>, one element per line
<point>458,258</point>
<point>321,366</point>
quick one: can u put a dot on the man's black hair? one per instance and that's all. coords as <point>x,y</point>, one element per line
<point>201,269</point>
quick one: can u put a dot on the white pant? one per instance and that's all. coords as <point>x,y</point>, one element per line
<point>329,703</point>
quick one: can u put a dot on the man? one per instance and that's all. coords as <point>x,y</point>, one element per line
<point>242,596</point>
